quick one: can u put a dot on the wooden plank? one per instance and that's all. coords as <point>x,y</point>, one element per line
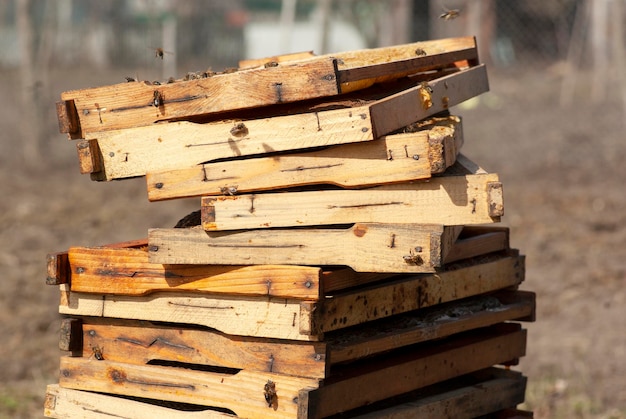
<point>126,105</point>
<point>160,147</point>
<point>143,103</point>
<point>241,392</point>
<point>447,200</point>
<point>434,322</point>
<point>65,403</point>
<point>395,158</point>
<point>478,240</point>
<point>140,342</point>
<point>373,247</point>
<point>422,366</point>
<point>465,397</point>
<point>415,292</point>
<point>293,319</point>
<point>428,98</point>
<point>408,371</point>
<point>185,144</point>
<point>129,272</point>
<point>267,317</point>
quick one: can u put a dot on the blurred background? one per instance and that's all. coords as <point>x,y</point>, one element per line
<point>552,127</point>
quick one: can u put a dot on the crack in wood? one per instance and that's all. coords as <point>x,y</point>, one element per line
<point>172,303</point>
<point>301,168</point>
<point>365,205</point>
<point>158,339</point>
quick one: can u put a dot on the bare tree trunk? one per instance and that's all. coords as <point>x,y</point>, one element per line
<point>29,122</point>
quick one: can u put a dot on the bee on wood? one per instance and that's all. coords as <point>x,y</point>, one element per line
<point>269,391</point>
<point>450,14</point>
<point>229,190</point>
<point>97,352</point>
<point>157,99</point>
<point>420,52</point>
<point>425,95</point>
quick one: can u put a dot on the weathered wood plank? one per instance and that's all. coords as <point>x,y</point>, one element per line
<point>160,147</point>
<point>415,292</point>
<point>242,392</point>
<point>478,240</point>
<point>427,364</point>
<point>57,268</point>
<point>395,158</point>
<point>427,324</point>
<point>142,103</point>
<point>447,200</point>
<point>65,403</point>
<point>292,319</point>
<point>428,98</point>
<point>129,272</point>
<point>466,397</point>
<point>271,318</point>
<point>374,247</point>
<point>139,342</point>
<point>185,144</point>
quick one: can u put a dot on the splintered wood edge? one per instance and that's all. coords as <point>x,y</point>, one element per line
<point>67,118</point>
<point>58,268</point>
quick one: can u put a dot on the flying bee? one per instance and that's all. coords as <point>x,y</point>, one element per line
<point>450,14</point>
<point>160,52</point>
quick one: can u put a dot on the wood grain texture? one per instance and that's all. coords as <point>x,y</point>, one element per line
<point>423,366</point>
<point>133,104</point>
<point>129,272</point>
<point>293,319</point>
<point>126,105</point>
<point>66,403</point>
<point>447,200</point>
<point>182,144</point>
<point>140,342</point>
<point>241,392</point>
<point>375,247</point>
<point>395,158</point>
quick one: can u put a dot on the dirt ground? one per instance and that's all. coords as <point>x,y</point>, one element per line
<point>563,176</point>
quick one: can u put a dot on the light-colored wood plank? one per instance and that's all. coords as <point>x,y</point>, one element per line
<point>160,147</point>
<point>468,397</point>
<point>375,247</point>
<point>395,158</point>
<point>428,98</point>
<point>406,372</point>
<point>142,103</point>
<point>139,103</point>
<point>65,403</point>
<point>139,342</point>
<point>137,151</point>
<point>293,319</point>
<point>242,392</point>
<point>269,317</point>
<point>447,200</point>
